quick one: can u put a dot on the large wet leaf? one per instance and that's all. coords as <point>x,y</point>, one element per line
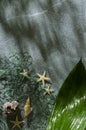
<point>69,112</point>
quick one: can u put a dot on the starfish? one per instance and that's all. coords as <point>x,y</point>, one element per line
<point>48,90</point>
<point>43,78</point>
<point>17,123</point>
<point>24,73</point>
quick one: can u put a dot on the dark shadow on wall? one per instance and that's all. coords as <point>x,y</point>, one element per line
<point>42,27</point>
<point>77,22</point>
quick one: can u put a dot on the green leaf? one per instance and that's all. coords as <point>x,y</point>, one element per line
<point>69,112</point>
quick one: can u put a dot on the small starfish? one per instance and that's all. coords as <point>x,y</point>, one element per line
<point>25,73</point>
<point>43,78</point>
<point>17,123</point>
<point>48,90</point>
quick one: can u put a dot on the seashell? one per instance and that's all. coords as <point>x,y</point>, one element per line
<point>27,108</point>
<point>6,106</point>
<point>14,105</point>
<point>10,108</point>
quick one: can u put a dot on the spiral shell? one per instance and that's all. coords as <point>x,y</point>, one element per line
<point>14,105</point>
<point>27,107</point>
<point>10,108</point>
<point>5,106</point>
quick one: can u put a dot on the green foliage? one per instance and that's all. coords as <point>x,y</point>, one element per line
<point>14,87</point>
<point>69,112</point>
